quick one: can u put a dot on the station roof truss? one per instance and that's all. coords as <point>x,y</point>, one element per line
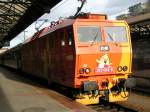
<point>10,12</point>
<point>16,15</point>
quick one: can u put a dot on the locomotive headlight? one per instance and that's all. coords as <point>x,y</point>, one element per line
<point>84,70</point>
<point>119,69</point>
<point>125,68</point>
<point>104,48</point>
<point>87,70</point>
<point>81,71</point>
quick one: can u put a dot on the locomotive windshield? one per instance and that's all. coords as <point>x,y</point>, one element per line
<point>89,34</point>
<point>116,34</point>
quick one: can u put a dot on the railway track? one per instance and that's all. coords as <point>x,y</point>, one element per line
<point>111,107</point>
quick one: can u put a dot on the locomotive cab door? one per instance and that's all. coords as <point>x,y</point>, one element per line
<point>51,56</point>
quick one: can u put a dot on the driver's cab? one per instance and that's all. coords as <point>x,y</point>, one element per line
<point>95,38</point>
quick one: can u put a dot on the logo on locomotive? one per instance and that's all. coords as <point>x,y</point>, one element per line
<point>104,64</point>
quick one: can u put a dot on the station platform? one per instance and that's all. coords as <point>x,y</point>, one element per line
<point>18,94</point>
<point>138,102</point>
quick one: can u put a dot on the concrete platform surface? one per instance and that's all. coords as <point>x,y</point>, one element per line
<point>18,94</point>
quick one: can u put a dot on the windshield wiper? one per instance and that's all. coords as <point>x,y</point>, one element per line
<point>94,39</point>
<point>110,37</point>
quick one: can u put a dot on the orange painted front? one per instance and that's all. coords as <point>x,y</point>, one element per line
<point>89,56</point>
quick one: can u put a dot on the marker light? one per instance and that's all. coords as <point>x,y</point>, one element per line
<point>81,71</point>
<point>84,70</point>
<point>119,69</point>
<point>87,70</point>
<point>125,68</point>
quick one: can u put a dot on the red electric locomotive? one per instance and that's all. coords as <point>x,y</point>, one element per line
<point>90,55</point>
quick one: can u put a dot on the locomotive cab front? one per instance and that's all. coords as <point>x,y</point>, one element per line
<point>103,57</point>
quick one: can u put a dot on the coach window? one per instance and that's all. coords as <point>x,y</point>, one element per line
<point>70,36</point>
<point>62,34</point>
<point>89,34</point>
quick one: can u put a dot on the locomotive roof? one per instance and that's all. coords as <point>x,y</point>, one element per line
<point>61,24</point>
<point>47,30</point>
<point>64,23</point>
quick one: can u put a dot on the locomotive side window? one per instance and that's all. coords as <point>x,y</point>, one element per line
<point>62,34</point>
<point>70,36</point>
<point>116,34</point>
<point>89,34</point>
